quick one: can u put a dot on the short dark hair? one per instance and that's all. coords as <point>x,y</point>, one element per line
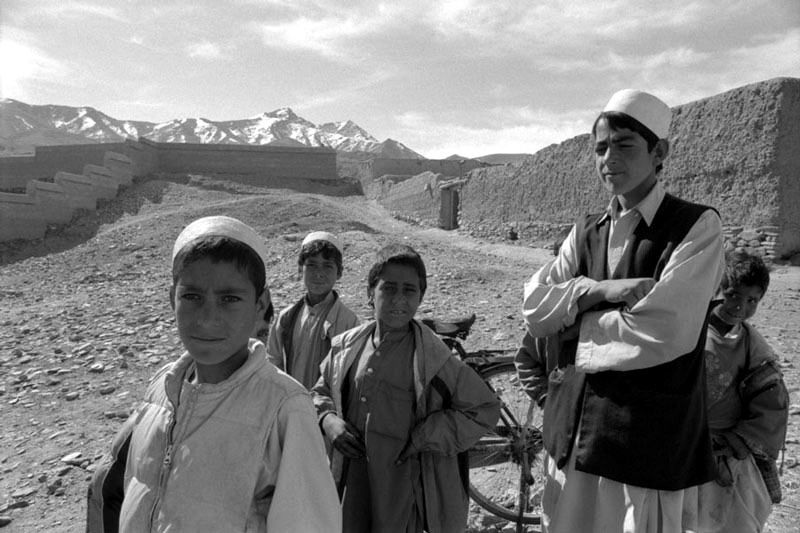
<point>221,249</point>
<point>742,268</point>
<point>328,251</point>
<point>617,120</point>
<point>396,254</point>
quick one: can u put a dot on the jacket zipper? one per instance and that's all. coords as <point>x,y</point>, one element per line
<point>166,464</point>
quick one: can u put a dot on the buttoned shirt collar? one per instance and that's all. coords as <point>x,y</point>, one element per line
<point>647,207</point>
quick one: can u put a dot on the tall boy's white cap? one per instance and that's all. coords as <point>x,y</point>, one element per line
<point>221,226</point>
<point>323,236</point>
<point>644,107</point>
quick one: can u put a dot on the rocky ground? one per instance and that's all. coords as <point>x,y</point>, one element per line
<point>85,320</point>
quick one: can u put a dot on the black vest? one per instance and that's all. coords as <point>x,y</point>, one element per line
<point>644,427</point>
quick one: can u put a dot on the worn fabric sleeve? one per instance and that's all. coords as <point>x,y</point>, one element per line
<point>474,410</point>
<point>321,394</point>
<point>765,400</point>
<point>274,348</point>
<point>305,498</point>
<point>531,364</point>
<point>107,487</point>
<point>550,301</point>
<point>667,322</point>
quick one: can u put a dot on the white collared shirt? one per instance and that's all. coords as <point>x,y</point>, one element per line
<point>662,326</point>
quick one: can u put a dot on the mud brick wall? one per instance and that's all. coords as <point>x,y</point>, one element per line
<point>275,162</point>
<point>738,152</point>
<point>416,199</point>
<point>412,167</point>
<point>15,172</point>
<point>244,161</point>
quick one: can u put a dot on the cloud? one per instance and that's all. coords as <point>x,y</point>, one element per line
<point>69,9</point>
<point>204,50</point>
<point>350,91</point>
<point>505,130</point>
<point>22,64</point>
<point>327,37</point>
<point>769,56</point>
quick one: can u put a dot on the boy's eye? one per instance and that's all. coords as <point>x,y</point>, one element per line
<point>230,298</point>
<point>189,296</point>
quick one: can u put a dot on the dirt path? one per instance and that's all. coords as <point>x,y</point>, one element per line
<point>85,321</point>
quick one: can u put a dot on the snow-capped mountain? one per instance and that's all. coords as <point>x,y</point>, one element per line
<point>23,126</point>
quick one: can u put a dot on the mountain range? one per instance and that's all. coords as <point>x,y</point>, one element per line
<point>23,126</point>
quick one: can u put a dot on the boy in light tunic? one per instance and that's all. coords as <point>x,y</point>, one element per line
<point>223,441</point>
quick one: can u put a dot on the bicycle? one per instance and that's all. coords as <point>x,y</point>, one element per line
<point>505,471</point>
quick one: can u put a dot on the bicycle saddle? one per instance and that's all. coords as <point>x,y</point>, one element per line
<point>454,327</point>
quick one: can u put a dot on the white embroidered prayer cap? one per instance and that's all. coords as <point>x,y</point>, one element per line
<point>323,236</point>
<point>644,107</point>
<point>221,226</point>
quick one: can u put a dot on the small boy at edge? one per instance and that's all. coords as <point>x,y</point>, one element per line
<point>748,408</point>
<point>222,441</point>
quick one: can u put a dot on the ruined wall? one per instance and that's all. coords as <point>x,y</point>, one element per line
<point>275,162</point>
<point>149,156</point>
<point>737,151</point>
<point>46,203</point>
<point>57,180</point>
<point>15,172</point>
<point>786,165</point>
<point>416,199</point>
<point>377,167</point>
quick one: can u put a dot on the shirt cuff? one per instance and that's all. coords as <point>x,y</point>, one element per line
<point>582,286</point>
<point>590,330</point>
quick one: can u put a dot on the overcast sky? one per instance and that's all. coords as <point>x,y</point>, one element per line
<point>443,77</point>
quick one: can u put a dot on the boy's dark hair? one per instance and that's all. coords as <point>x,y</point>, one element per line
<point>621,121</point>
<point>742,268</point>
<point>396,254</point>
<point>328,251</point>
<point>219,250</point>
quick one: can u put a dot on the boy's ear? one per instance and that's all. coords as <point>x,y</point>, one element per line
<point>661,150</point>
<point>262,302</point>
<point>172,297</point>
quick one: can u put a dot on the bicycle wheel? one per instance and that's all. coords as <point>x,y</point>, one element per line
<point>506,476</point>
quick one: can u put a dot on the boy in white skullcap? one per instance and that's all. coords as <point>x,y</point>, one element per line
<point>222,440</point>
<point>301,336</point>
<point>626,301</point>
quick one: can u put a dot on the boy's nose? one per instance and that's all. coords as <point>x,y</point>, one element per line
<point>610,156</point>
<point>209,314</point>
